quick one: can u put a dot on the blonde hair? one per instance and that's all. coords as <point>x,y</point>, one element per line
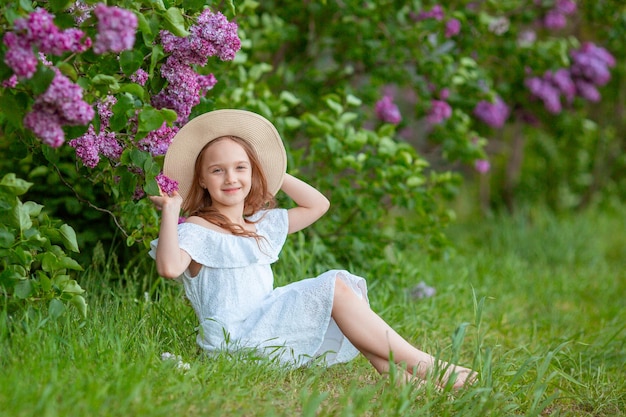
<point>199,202</point>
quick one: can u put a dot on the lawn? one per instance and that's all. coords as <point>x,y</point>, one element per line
<point>534,303</point>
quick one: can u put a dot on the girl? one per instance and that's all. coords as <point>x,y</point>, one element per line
<point>229,164</point>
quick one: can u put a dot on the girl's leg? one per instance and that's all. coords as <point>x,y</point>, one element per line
<point>369,333</point>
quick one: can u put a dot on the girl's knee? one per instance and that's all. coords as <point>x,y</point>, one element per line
<point>342,290</point>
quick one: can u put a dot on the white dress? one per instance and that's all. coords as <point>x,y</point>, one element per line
<point>237,305</point>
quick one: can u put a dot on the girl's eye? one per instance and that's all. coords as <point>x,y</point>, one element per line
<point>216,171</point>
<point>242,167</point>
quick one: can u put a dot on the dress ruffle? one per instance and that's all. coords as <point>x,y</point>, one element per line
<point>208,247</point>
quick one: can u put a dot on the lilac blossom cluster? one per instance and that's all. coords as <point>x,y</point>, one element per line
<point>482,166</point>
<point>439,112</point>
<point>556,17</point>
<point>157,141</point>
<point>39,31</point>
<point>212,35</point>
<point>116,29</point>
<point>140,77</point>
<point>61,104</point>
<point>92,144</point>
<point>452,27</point>
<point>494,114</point>
<point>589,70</point>
<point>166,184</point>
<point>387,110</point>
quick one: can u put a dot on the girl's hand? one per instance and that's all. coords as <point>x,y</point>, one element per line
<point>164,200</point>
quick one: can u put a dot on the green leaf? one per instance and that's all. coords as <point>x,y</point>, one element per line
<point>33,208</point>
<point>23,289</point>
<point>41,80</point>
<point>69,237</point>
<point>13,185</point>
<point>130,61</point>
<point>107,80</point>
<point>150,119</point>
<point>151,187</point>
<point>56,308</point>
<point>49,262</point>
<point>72,287</point>
<point>353,100</point>
<point>21,216</point>
<point>289,98</point>
<point>78,301</point>
<point>6,238</point>
<point>334,106</point>
<point>69,263</point>
<point>134,89</point>
<point>175,22</point>
<point>58,5</point>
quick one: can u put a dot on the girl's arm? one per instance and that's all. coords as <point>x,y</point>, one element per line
<point>311,203</point>
<point>171,260</point>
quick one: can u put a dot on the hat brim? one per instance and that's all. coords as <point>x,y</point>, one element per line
<point>259,132</point>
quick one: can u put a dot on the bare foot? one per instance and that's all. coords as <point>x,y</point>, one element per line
<point>459,376</point>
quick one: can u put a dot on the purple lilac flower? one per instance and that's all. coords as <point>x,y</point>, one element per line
<point>61,104</point>
<point>566,7</point>
<point>45,124</point>
<point>140,77</point>
<point>105,111</point>
<point>493,114</point>
<point>116,29</point>
<point>67,98</point>
<point>435,13</point>
<point>10,82</point>
<point>387,111</point>
<point>439,112</point>
<point>563,80</point>
<point>453,27</point>
<point>19,55</point>
<point>167,185</point>
<point>482,166</point>
<point>139,193</point>
<point>81,11</point>
<point>587,90</point>
<point>157,141</point>
<point>592,62</point>
<point>545,90</point>
<point>554,20</point>
<point>87,148</point>
<point>109,146</point>
<point>39,30</point>
<point>183,90</point>
<point>219,33</point>
<point>211,35</point>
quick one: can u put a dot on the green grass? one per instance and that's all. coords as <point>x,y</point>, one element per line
<point>535,304</point>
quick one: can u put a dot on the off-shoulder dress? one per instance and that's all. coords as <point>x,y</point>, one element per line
<point>238,307</point>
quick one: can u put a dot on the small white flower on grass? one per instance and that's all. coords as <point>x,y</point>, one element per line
<point>422,290</point>
<point>167,356</point>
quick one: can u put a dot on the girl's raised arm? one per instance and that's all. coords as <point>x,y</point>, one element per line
<point>171,260</point>
<point>311,203</point>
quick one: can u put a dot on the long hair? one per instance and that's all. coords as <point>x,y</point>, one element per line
<point>199,202</point>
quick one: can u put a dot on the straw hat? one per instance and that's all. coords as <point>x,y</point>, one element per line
<point>181,155</point>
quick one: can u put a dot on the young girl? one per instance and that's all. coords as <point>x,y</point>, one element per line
<point>229,164</point>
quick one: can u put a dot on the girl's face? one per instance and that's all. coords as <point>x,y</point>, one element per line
<point>226,173</point>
